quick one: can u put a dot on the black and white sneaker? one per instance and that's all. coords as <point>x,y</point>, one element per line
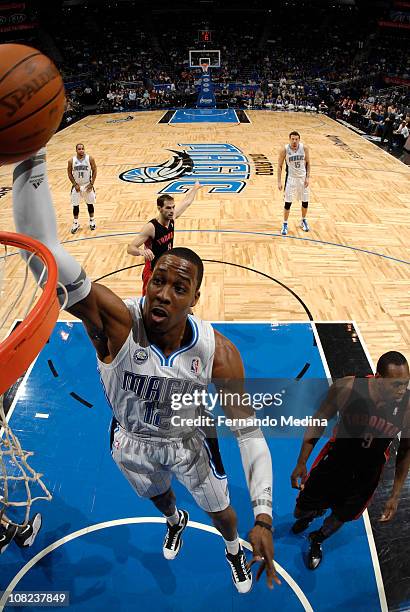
<point>25,536</point>
<point>173,540</point>
<point>241,574</point>
<point>7,533</point>
<point>315,552</point>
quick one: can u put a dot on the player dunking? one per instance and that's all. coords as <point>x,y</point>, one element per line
<point>148,349</point>
<point>157,235</point>
<point>372,412</point>
<point>82,172</point>
<point>297,159</point>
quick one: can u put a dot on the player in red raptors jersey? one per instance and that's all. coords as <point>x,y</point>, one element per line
<point>157,236</point>
<point>372,411</point>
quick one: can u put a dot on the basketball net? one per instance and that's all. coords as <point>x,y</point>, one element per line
<point>15,473</point>
<point>20,484</point>
<point>204,67</point>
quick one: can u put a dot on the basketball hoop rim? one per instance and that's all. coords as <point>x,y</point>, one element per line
<point>23,344</point>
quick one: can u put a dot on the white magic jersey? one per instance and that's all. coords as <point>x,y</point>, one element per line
<point>140,382</point>
<point>295,161</point>
<point>82,170</point>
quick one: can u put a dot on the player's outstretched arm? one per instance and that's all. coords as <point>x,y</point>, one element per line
<point>334,401</point>
<point>187,201</point>
<point>228,372</point>
<point>105,316</point>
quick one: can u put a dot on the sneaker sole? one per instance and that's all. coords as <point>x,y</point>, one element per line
<point>172,554</point>
<point>37,523</point>
<point>3,550</point>
<point>247,589</point>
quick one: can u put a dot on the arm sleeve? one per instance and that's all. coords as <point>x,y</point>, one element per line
<point>257,465</point>
<point>34,215</point>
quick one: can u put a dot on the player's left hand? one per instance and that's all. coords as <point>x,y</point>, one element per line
<point>89,187</point>
<point>306,182</point>
<point>262,547</point>
<point>389,509</point>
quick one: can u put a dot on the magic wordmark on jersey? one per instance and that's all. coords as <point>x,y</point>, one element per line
<point>222,167</point>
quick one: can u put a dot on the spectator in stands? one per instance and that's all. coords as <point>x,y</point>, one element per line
<point>401,134</point>
<point>388,127</point>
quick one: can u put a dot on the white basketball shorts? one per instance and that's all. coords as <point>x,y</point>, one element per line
<point>295,190</point>
<point>150,464</point>
<point>83,194</point>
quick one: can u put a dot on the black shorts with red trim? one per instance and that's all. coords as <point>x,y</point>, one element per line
<point>345,484</point>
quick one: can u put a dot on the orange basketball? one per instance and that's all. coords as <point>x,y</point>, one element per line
<point>31,101</point>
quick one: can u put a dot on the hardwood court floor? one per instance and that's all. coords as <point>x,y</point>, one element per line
<point>359,198</point>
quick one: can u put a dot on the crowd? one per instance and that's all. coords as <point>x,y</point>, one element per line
<point>125,63</point>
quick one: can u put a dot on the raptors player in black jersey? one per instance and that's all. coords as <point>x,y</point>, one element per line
<point>372,411</point>
<point>157,235</point>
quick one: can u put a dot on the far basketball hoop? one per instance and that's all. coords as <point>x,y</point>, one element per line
<point>197,58</point>
<point>205,67</point>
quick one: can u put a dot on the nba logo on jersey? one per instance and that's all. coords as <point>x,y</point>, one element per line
<point>140,356</point>
<point>195,365</point>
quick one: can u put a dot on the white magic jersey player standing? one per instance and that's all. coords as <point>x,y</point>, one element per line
<point>297,159</point>
<point>147,352</point>
<point>82,172</point>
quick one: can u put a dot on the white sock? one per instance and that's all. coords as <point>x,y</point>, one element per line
<point>232,546</point>
<point>174,518</point>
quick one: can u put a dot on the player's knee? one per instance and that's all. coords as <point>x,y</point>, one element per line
<point>288,205</point>
<point>227,515</point>
<point>305,204</point>
<point>90,208</point>
<point>168,496</point>
<point>76,211</point>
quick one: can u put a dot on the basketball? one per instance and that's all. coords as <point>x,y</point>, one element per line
<point>31,101</point>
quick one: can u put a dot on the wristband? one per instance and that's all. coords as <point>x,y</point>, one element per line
<point>264,525</point>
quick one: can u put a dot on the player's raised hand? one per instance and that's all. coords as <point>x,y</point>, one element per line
<point>390,509</point>
<point>198,185</point>
<point>299,474</point>
<point>262,547</point>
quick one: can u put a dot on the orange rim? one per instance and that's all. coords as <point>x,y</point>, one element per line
<point>23,344</point>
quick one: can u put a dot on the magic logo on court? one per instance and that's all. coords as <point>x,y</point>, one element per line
<point>222,167</point>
